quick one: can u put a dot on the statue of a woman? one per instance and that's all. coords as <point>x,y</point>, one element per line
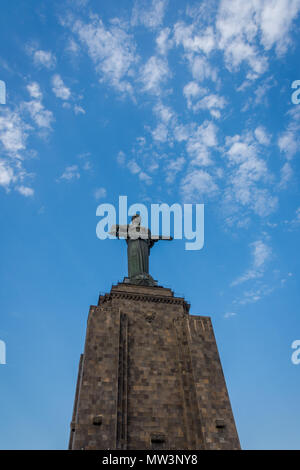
<point>139,242</point>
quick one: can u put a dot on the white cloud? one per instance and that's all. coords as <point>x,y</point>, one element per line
<point>286,174</point>
<point>72,47</point>
<point>182,132</point>
<point>133,167</point>
<point>197,184</point>
<point>111,49</point>
<point>295,222</point>
<point>165,117</point>
<point>11,168</point>
<point>213,103</point>
<point>121,157</point>
<point>229,315</point>
<point>59,88</point>
<point>87,166</point>
<point>297,216</point>
<point>238,51</point>
<point>41,116</point>
<point>34,90</point>
<point>262,90</point>
<point>174,167</point>
<point>201,68</point>
<point>261,253</point>
<point>153,74</point>
<point>276,19</point>
<point>244,31</point>
<point>84,155</point>
<point>160,133</point>
<point>192,91</point>
<point>264,203</point>
<point>262,136</point>
<point>163,41</point>
<point>100,193</point>
<point>79,3</point>
<point>13,132</point>
<point>244,28</point>
<point>247,171</point>
<point>186,36</point>
<point>151,16</point>
<point>241,32</point>
<point>254,295</point>
<point>43,58</point>
<point>200,142</point>
<point>70,173</point>
<point>165,113</point>
<point>144,177</point>
<point>25,191</point>
<point>78,109</point>
<point>6,174</point>
<point>288,143</point>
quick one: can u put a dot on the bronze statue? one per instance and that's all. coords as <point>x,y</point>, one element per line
<point>139,242</point>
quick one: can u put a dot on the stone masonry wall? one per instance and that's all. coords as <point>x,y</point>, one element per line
<point>150,377</point>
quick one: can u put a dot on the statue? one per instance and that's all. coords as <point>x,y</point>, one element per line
<point>139,242</point>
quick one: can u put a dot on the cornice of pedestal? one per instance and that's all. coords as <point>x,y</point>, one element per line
<point>155,294</point>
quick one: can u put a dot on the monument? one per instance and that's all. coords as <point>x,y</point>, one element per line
<point>150,376</point>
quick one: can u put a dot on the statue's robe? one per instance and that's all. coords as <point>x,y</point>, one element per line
<point>139,242</point>
<point>138,256</point>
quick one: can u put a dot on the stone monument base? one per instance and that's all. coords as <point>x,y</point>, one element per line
<point>150,376</point>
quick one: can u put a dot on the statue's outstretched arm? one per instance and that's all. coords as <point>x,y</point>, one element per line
<point>155,238</point>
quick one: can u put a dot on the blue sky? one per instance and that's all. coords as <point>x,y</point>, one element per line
<point>186,102</point>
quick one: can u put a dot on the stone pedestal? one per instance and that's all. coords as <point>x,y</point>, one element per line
<point>150,376</point>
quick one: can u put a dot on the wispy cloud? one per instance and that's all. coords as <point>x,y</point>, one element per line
<point>59,88</point>
<point>111,49</point>
<point>150,15</point>
<point>42,58</point>
<point>6,174</point>
<point>198,184</point>
<point>261,254</point>
<point>192,41</point>
<point>100,193</point>
<point>164,41</point>
<point>79,109</point>
<point>153,74</point>
<point>14,133</point>
<point>288,141</point>
<point>25,191</point>
<point>294,222</point>
<point>246,28</point>
<point>249,175</point>
<point>70,173</point>
<point>42,117</point>
<point>230,314</point>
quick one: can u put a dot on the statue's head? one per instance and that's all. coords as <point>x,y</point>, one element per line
<point>136,219</point>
